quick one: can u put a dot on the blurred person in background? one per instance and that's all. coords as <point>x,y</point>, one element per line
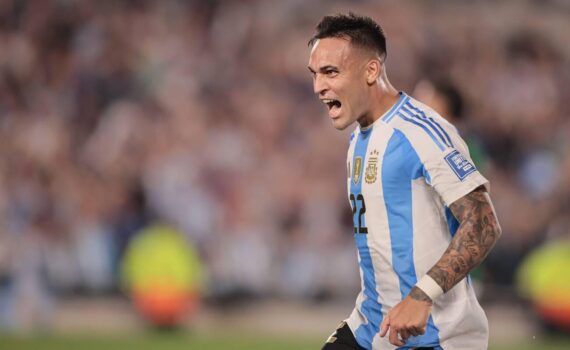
<point>422,216</point>
<point>447,100</point>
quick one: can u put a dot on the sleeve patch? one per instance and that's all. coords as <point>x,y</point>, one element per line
<point>459,164</point>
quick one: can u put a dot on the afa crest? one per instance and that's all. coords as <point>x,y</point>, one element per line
<point>356,169</point>
<point>372,168</point>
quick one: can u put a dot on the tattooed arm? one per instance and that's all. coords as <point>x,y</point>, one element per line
<point>477,233</point>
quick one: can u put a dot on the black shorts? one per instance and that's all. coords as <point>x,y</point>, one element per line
<point>343,339</point>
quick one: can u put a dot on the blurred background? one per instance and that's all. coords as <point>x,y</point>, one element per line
<point>165,164</point>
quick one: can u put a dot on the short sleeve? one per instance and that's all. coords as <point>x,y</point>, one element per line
<point>452,172</point>
<point>447,165</point>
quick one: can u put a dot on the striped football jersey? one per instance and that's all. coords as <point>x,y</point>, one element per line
<point>404,171</point>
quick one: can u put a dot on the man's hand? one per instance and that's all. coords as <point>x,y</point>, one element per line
<point>408,318</point>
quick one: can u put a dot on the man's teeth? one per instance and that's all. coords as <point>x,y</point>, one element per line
<point>331,103</point>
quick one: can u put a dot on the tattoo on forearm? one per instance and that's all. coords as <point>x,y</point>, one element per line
<point>420,295</point>
<point>476,235</point>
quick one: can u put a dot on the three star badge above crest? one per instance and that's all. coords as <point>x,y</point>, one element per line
<point>372,168</point>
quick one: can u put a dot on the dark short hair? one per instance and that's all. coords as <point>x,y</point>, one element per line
<point>363,31</point>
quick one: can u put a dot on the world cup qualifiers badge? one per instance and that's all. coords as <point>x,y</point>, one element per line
<point>459,164</point>
<point>372,168</point>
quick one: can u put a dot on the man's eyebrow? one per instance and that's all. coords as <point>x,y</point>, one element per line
<point>323,69</point>
<point>327,68</point>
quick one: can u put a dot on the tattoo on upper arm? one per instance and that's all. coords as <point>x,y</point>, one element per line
<point>476,235</point>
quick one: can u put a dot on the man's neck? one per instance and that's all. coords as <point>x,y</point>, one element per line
<point>383,100</point>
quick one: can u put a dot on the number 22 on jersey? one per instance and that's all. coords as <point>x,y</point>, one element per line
<point>358,208</point>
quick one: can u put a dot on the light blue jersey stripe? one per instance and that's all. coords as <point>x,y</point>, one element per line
<point>415,122</point>
<point>452,222</point>
<point>370,307</point>
<point>422,113</point>
<point>351,137</point>
<point>400,166</point>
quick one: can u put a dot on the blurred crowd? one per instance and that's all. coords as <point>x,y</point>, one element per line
<point>201,115</point>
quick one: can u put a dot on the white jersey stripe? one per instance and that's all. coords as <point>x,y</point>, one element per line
<point>439,129</point>
<point>403,114</point>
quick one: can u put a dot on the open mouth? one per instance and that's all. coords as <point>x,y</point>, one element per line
<point>332,104</point>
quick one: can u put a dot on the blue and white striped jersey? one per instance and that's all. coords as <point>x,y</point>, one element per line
<point>404,171</point>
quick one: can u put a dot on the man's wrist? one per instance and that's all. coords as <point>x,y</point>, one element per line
<point>419,295</point>
<point>430,287</point>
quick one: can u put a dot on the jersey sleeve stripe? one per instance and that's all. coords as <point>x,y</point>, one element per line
<point>422,113</point>
<point>428,131</point>
<point>426,122</point>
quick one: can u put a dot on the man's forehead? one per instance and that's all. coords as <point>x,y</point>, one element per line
<point>331,44</point>
<point>337,49</point>
<point>315,45</point>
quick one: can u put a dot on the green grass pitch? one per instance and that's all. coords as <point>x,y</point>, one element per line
<point>189,341</point>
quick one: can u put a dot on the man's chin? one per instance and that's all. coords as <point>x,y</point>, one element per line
<point>339,124</point>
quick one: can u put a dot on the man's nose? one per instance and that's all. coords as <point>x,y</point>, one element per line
<point>320,85</point>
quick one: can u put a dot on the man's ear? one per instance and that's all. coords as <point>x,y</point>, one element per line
<point>373,71</point>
